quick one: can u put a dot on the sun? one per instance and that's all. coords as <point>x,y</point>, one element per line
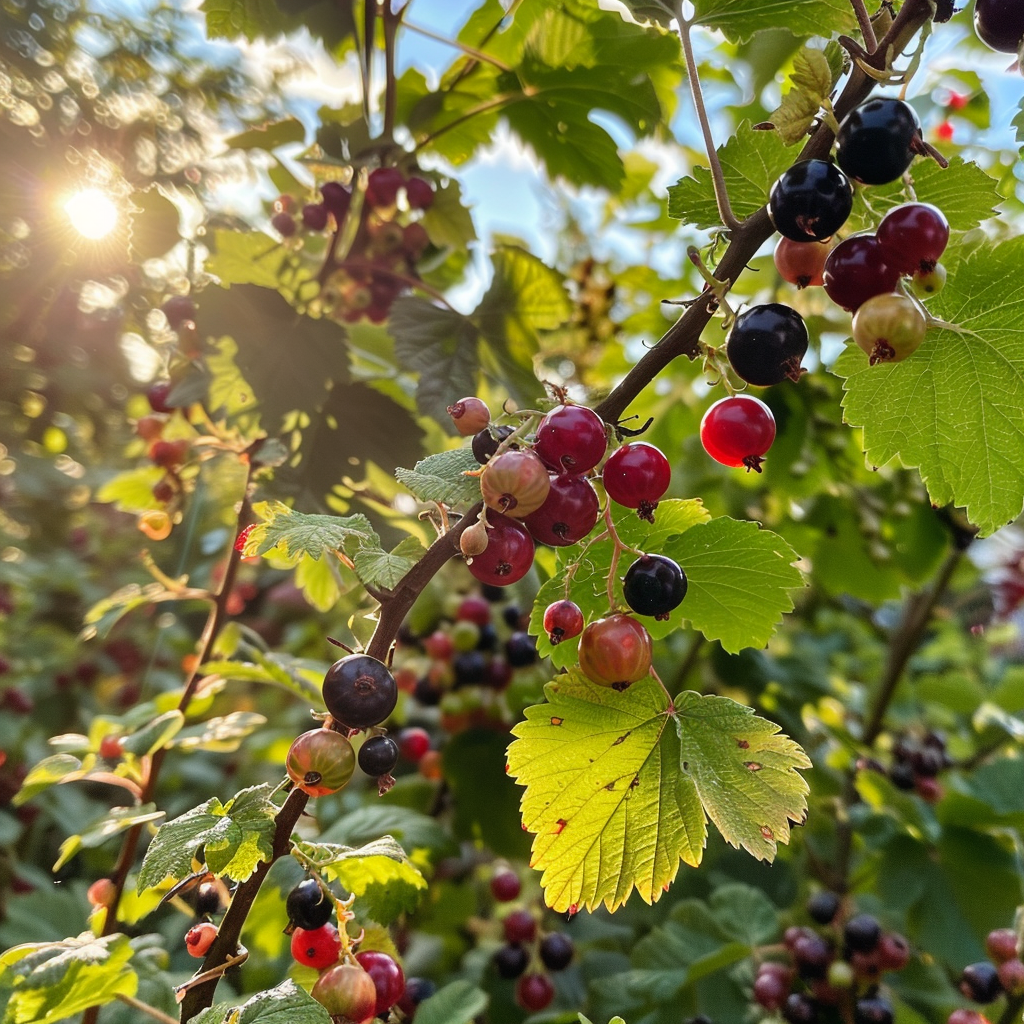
<point>93,214</point>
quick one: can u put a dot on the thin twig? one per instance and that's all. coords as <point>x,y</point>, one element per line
<point>366,55</point>
<point>867,30</point>
<point>149,1011</point>
<point>482,108</point>
<point>391,23</point>
<point>478,55</point>
<point>729,219</point>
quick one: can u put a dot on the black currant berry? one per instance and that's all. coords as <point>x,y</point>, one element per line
<point>511,961</point>
<point>654,585</point>
<point>875,144</point>
<point>521,650</point>
<point>812,954</point>
<point>1000,24</point>
<point>874,1010</point>
<point>823,907</point>
<point>488,638</point>
<point>766,344</point>
<point>811,201</point>
<point>208,900</point>
<point>485,444</point>
<point>862,933</point>
<point>470,668</point>
<point>980,982</point>
<point>903,776</point>
<point>799,1009</point>
<point>556,951</point>
<point>426,693</point>
<point>307,906</point>
<point>359,691</point>
<point>378,756</point>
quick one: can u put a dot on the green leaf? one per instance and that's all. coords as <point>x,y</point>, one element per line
<point>285,1004</point>
<point>101,618</point>
<point>1018,123</point>
<point>154,224</point>
<point>268,136</point>
<point>318,580</point>
<point>299,533</point>
<point>155,734</point>
<point>457,1003</point>
<point>619,786</point>
<point>54,981</point>
<point>811,83</point>
<point>45,774</point>
<point>380,874</point>
<point>132,490</point>
<point>751,163</point>
<point>738,20</point>
<point>239,257</point>
<point>295,675</point>
<point>380,568</point>
<point>443,478</point>
<point>235,836</point>
<point>954,408</point>
<point>115,821</point>
<point>222,735</point>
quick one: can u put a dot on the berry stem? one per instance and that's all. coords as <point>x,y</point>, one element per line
<point>867,30</point>
<point>729,219</point>
<point>391,24</point>
<point>617,548</point>
<point>149,1011</point>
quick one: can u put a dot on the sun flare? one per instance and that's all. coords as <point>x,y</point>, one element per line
<point>93,214</point>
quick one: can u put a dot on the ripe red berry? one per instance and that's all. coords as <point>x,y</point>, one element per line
<point>637,475</point>
<point>101,893</point>
<point>1011,977</point>
<point>520,926</point>
<point>470,415</point>
<point>420,194</point>
<point>474,609</point>
<point>801,263</point>
<point>563,620</point>
<point>571,439</point>
<point>1002,944</point>
<point>383,185</point>
<point>505,886</point>
<point>320,762</point>
<point>168,453</point>
<point>199,938</point>
<point>157,397</point>
<point>914,237</point>
<point>534,992</point>
<point>858,269</point>
<point>316,947</point>
<point>515,483</point>
<point>347,993</point>
<point>111,748</point>
<point>738,431</point>
<point>415,241</point>
<point>615,651</point>
<point>965,1016</point>
<point>413,743</point>
<point>439,645</point>
<point>570,511</point>
<point>388,978</point>
<point>509,553</point>
<point>771,989</point>
<point>893,952</point>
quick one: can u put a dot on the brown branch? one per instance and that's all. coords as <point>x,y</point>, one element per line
<point>867,30</point>
<point>391,23</point>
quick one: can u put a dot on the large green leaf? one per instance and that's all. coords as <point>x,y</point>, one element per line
<point>740,19</point>
<point>442,477</point>
<point>955,408</point>
<point>300,533</point>
<point>619,786</point>
<point>457,1003</point>
<point>285,1004</point>
<point>114,822</point>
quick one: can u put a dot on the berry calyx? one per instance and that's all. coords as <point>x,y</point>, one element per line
<point>308,906</point>
<point>470,415</point>
<point>571,439</point>
<point>654,585</point>
<point>637,475</point>
<point>856,270</point>
<point>767,344</point>
<point>520,926</point>
<point>320,762</point>
<point>388,978</point>
<point>360,691</point>
<point>823,907</point>
<point>413,743</point>
<point>346,992</point>
<point>738,431</point>
<point>505,886</point>
<point>511,961</point>
<point>556,951</point>
<point>378,756</point>
<point>316,947</point>
<point>810,201</point>
<point>801,263</point>
<point>515,483</point>
<point>980,982</point>
<point>888,328</point>
<point>914,236</point>
<point>563,620</point>
<point>1000,24</point>
<point>534,992</point>
<point>199,938</point>
<point>615,651</point>
<point>875,143</point>
<point>509,552</point>
<point>570,511</point>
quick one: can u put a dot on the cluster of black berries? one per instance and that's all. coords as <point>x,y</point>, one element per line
<point>839,965</point>
<point>986,981</point>
<point>380,263</point>
<point>917,762</point>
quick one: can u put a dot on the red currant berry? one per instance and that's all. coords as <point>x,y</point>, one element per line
<point>388,979</point>
<point>111,748</point>
<point>169,454</point>
<point>199,938</point>
<point>505,886</point>
<point>336,198</point>
<point>102,893</point>
<point>1011,977</point>
<point>470,415</point>
<point>965,1016</point>
<point>876,141</point>
<point>520,926</point>
<point>474,609</point>
<point>420,194</point>
<point>1002,944</point>
<point>913,236</point>
<point>149,428</point>
<point>801,263</point>
<point>320,762</point>
<point>360,691</point>
<point>637,476</point>
<point>178,309</point>
<point>308,906</point>
<point>615,651</point>
<point>382,186</point>
<point>509,553</point>
<point>569,513</point>
<point>571,439</point>
<point>316,947</point>
<point>439,645</point>
<point>1000,24</point>
<point>157,396</point>
<point>888,328</point>
<point>314,216</point>
<point>654,585</point>
<point>766,344</point>
<point>515,483</point>
<point>811,201</point>
<point>856,270</point>
<point>415,241</point>
<point>893,952</point>
<point>413,743</point>
<point>346,992</point>
<point>284,224</point>
<point>770,989</point>
<point>738,431</point>
<point>534,992</point>
<point>563,620</point>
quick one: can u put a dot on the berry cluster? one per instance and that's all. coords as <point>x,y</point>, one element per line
<point>917,763</point>
<point>554,950</point>
<point>380,263</point>
<point>986,981</point>
<point>840,965</point>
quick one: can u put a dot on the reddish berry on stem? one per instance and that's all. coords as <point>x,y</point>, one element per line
<point>914,237</point>
<point>420,193</point>
<point>534,992</point>
<point>509,553</point>
<point>320,762</point>
<point>316,947</point>
<point>563,620</point>
<point>347,993</point>
<point>571,439</point>
<point>637,476</point>
<point>199,939</point>
<point>738,431</point>
<point>570,511</point>
<point>858,269</point>
<point>101,893</point>
<point>1002,944</point>
<point>801,263</point>
<point>111,748</point>
<point>515,483</point>
<point>382,186</point>
<point>505,886</point>
<point>520,926</point>
<point>615,651</point>
<point>470,415</point>
<point>413,743</point>
<point>474,609</point>
<point>388,979</point>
